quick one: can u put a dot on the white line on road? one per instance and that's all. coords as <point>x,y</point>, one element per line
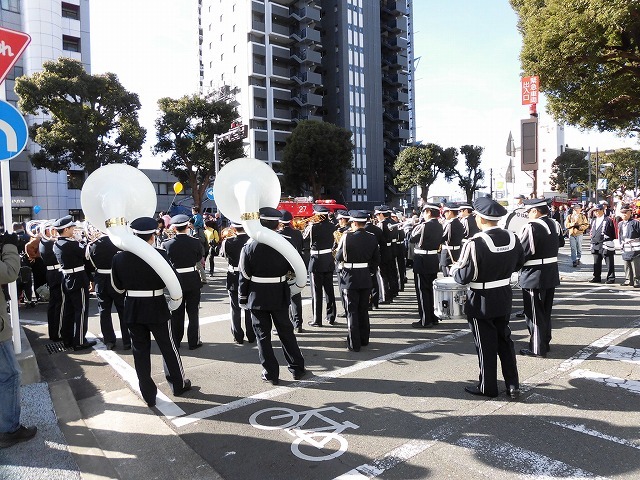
<point>594,433</point>
<point>631,385</point>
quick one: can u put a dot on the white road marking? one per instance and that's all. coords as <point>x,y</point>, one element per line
<point>630,385</point>
<point>576,427</point>
<point>623,354</point>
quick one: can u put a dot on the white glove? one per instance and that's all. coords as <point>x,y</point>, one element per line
<point>174,304</point>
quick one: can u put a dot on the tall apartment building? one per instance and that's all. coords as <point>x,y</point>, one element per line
<point>348,62</point>
<point>57,28</point>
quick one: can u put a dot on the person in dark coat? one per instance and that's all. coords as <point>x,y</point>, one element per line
<point>388,269</point>
<point>629,236</point>
<point>427,236</point>
<point>264,290</point>
<point>54,282</point>
<point>377,287</point>
<point>185,254</point>
<point>468,220</point>
<point>486,263</point>
<point>603,232</point>
<point>321,266</point>
<point>342,216</point>
<point>539,275</point>
<point>294,237</point>
<point>101,253</point>
<point>146,312</point>
<point>358,254</point>
<point>452,236</point>
<point>75,286</point>
<point>231,249</point>
<point>400,249</point>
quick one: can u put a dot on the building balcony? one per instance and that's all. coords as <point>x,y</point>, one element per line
<point>395,43</point>
<point>305,14</point>
<point>307,99</point>
<point>306,55</point>
<point>395,62</point>
<point>282,113</point>
<point>259,69</point>
<point>257,7</point>
<point>395,25</point>
<point>279,71</point>
<point>259,112</point>
<point>397,115</point>
<point>257,26</point>
<point>306,78</point>
<point>306,35</point>
<point>395,7</point>
<point>262,155</point>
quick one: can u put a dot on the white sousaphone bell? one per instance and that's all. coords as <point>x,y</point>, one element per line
<point>114,195</point>
<point>241,188</point>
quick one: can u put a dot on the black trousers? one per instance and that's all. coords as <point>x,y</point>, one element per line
<point>295,310</point>
<point>141,342</point>
<point>190,303</point>
<point>424,293</point>
<point>263,321</point>
<point>609,260</point>
<point>107,298</point>
<point>401,262</point>
<point>388,272</point>
<point>358,324</point>
<point>236,319</point>
<point>376,290</point>
<point>322,281</point>
<point>54,312</point>
<point>75,316</point>
<point>537,312</point>
<point>493,339</point>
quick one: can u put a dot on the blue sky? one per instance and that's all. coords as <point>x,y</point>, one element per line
<point>468,75</point>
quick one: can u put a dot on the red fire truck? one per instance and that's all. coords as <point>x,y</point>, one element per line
<point>302,207</point>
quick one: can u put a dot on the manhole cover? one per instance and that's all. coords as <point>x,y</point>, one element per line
<point>57,347</point>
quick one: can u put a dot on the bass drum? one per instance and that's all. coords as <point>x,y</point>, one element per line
<point>449,298</point>
<point>516,220</point>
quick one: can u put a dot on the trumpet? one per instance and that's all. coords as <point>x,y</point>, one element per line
<point>227,232</point>
<point>300,223</point>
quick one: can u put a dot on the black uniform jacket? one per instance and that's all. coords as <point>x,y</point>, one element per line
<point>387,249</point>
<point>452,235</point>
<point>602,237</point>
<point>427,237</point>
<point>539,239</point>
<point>231,249</point>
<point>71,255</point>
<point>54,275</point>
<point>629,236</point>
<point>101,253</point>
<point>490,256</point>
<point>130,272</point>
<point>359,256</point>
<point>376,231</point>
<point>470,226</point>
<point>262,283</point>
<point>185,252</point>
<point>294,237</point>
<point>321,240</point>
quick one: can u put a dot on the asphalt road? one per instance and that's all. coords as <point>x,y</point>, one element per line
<point>396,409</point>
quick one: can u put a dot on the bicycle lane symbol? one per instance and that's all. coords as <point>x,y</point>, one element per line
<point>322,438</point>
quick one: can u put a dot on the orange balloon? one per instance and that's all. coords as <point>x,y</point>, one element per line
<point>177,187</point>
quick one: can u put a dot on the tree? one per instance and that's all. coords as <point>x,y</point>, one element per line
<point>421,165</point>
<point>92,119</point>
<point>623,170</point>
<point>570,172</point>
<point>317,154</point>
<point>186,128</point>
<point>470,181</point>
<point>587,54</point>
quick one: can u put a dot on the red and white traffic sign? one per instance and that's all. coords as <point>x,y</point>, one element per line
<point>530,87</point>
<point>12,44</point>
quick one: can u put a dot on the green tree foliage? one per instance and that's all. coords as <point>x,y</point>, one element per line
<point>92,120</point>
<point>317,154</point>
<point>470,181</point>
<point>570,168</point>
<point>421,165</point>
<point>621,174</point>
<point>587,54</point>
<point>185,128</point>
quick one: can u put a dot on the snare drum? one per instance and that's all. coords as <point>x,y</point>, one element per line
<point>449,298</point>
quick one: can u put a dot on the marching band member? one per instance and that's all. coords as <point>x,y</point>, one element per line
<point>185,253</point>
<point>146,312</point>
<point>358,254</point>
<point>343,218</point>
<point>485,265</point>
<point>75,287</point>
<point>231,249</point>
<point>377,290</point>
<point>295,238</point>
<point>427,236</point>
<point>452,235</point>
<point>468,220</point>
<point>54,282</point>
<point>321,266</point>
<point>400,249</point>
<point>387,254</point>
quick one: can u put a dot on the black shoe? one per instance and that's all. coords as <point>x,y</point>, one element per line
<point>595,280</point>
<point>22,434</point>
<point>332,322</point>
<point>110,345</point>
<point>266,378</point>
<point>239,342</point>
<point>299,329</point>
<point>197,345</point>
<point>513,392</point>
<point>420,325</point>
<point>474,390</point>
<point>299,375</point>
<point>315,324</point>
<point>151,403</point>
<point>575,264</point>
<point>528,353</point>
<point>610,281</point>
<point>251,340</point>
<point>85,345</point>
<point>578,262</point>
<point>519,314</point>
<point>185,388</point>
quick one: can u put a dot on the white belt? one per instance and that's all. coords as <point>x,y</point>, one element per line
<point>145,293</point>
<point>320,252</point>
<point>186,269</point>
<point>231,268</point>
<point>450,247</point>
<point>394,241</point>
<point>268,279</point>
<point>487,285</point>
<point>541,261</point>
<point>53,267</point>
<point>354,265</point>
<point>389,244</point>
<point>106,271</point>
<point>425,252</point>
<point>72,270</point>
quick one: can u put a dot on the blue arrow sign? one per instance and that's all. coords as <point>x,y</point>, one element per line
<point>209,193</point>
<point>13,131</point>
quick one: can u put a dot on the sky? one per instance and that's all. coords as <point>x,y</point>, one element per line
<point>467,76</point>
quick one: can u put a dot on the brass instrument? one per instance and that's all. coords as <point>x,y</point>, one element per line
<point>228,232</point>
<point>337,236</point>
<point>301,223</point>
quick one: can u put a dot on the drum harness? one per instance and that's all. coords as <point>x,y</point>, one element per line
<point>503,282</point>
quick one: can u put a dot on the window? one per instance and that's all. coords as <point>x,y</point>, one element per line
<point>19,180</point>
<point>71,44</point>
<point>11,5</point>
<point>70,11</point>
<point>75,179</point>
